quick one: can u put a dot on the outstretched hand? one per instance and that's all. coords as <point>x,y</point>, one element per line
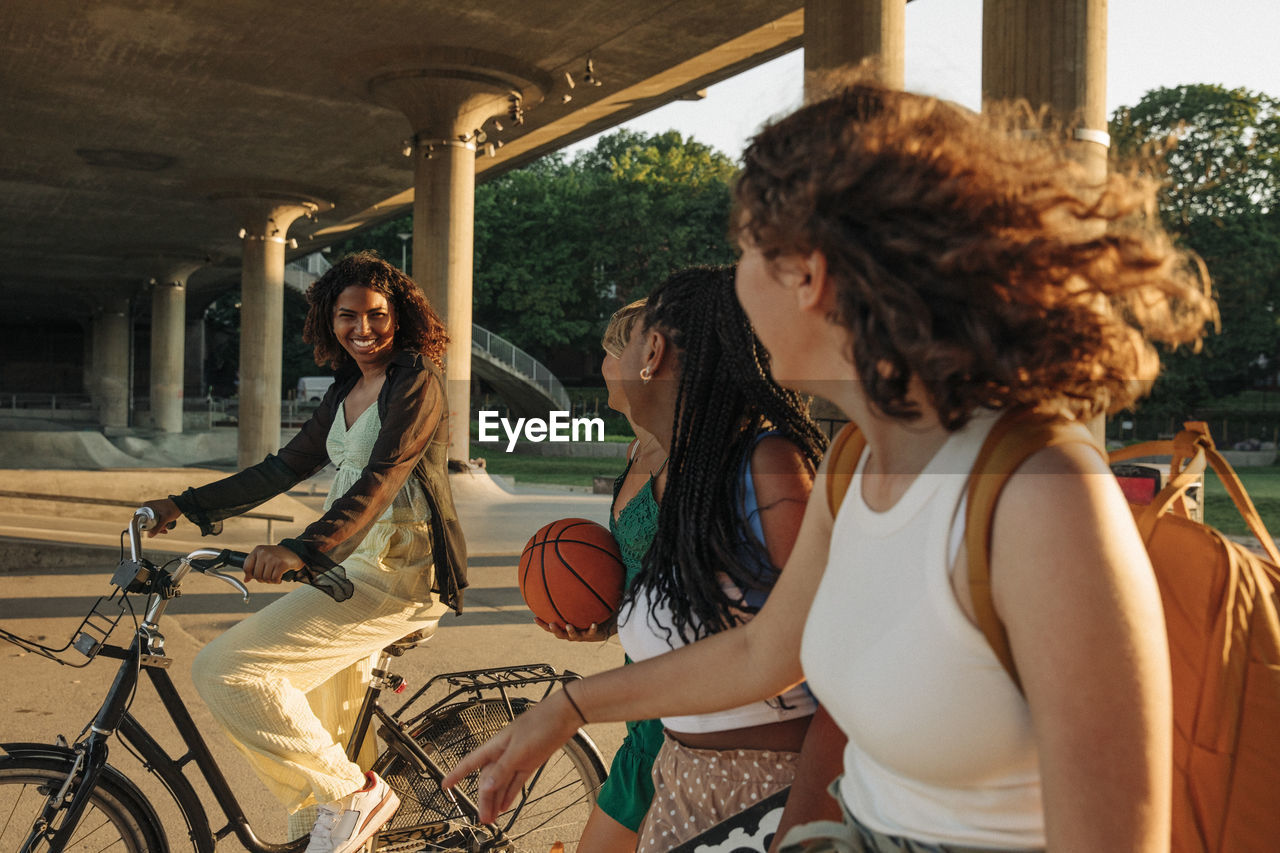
<point>510,757</point>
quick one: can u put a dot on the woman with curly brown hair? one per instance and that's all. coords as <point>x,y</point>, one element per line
<point>928,269</point>
<point>286,681</point>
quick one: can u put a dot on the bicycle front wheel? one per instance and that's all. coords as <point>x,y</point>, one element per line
<point>554,805</point>
<point>110,821</point>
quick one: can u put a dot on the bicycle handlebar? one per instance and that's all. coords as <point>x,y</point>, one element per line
<point>208,561</point>
<point>236,559</point>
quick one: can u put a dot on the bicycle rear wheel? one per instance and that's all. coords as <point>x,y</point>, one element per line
<point>553,806</point>
<point>110,820</point>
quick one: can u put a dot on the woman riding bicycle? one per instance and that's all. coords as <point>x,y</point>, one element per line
<point>286,681</point>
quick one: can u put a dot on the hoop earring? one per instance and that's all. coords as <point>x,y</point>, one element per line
<point>646,373</point>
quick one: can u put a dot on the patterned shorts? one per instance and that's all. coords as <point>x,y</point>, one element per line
<point>695,789</point>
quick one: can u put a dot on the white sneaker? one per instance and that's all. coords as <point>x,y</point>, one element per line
<point>345,825</point>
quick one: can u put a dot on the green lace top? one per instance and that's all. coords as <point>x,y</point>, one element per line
<point>635,524</point>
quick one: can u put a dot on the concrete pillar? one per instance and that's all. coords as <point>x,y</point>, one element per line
<point>443,251</point>
<point>265,218</point>
<point>195,349</point>
<point>1052,53</point>
<point>89,380</point>
<point>840,33</point>
<point>168,307</point>
<point>447,109</point>
<point>111,361</point>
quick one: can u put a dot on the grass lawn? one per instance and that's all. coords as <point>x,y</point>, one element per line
<point>1263,486</point>
<point>556,470</point>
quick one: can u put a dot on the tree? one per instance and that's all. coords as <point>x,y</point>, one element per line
<point>534,281</point>
<point>665,204</point>
<point>560,244</point>
<point>1218,151</point>
<point>1222,148</point>
<point>383,238</point>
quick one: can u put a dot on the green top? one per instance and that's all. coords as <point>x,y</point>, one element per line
<point>635,525</point>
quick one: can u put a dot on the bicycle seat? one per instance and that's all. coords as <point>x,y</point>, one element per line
<point>411,641</point>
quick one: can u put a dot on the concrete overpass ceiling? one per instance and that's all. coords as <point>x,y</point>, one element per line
<point>122,118</point>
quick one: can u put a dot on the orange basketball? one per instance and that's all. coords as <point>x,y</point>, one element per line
<point>571,573</point>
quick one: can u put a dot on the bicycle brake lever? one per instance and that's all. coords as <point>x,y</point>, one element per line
<point>236,582</point>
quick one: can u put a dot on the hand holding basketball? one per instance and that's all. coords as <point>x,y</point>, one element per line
<point>591,634</point>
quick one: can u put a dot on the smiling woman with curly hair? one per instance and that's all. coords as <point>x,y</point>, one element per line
<point>930,270</point>
<point>286,682</point>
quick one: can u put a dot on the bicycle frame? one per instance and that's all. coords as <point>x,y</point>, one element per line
<point>146,654</point>
<point>112,718</point>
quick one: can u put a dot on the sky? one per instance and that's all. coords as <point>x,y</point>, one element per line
<point>1150,43</point>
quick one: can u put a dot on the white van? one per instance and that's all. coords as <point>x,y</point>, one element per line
<point>312,388</point>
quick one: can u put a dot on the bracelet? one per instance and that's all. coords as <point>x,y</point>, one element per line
<point>577,710</point>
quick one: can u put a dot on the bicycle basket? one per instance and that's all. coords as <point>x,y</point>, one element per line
<point>425,813</point>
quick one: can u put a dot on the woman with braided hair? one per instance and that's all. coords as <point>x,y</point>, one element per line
<point>731,455</point>
<point>741,456</point>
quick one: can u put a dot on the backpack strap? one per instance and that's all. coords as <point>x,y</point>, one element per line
<point>842,458</point>
<point>1187,460</point>
<point>1013,439</point>
<point>1191,450</point>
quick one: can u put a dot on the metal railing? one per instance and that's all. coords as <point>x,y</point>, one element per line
<point>269,517</point>
<point>503,351</point>
<point>44,402</point>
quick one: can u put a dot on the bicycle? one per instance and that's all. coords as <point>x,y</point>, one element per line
<point>65,796</point>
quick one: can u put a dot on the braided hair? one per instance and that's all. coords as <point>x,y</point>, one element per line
<point>726,397</point>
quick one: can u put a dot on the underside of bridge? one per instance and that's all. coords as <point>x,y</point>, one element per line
<point>126,123</point>
<point>155,154</point>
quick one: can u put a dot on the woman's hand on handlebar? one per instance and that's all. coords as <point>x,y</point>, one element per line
<point>167,514</point>
<point>268,563</point>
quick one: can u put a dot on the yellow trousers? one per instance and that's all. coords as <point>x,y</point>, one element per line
<point>286,682</point>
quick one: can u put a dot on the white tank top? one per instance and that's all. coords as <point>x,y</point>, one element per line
<point>940,741</point>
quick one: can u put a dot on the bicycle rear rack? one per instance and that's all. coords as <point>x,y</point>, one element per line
<point>496,682</point>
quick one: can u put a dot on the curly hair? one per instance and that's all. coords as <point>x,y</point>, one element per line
<point>970,252</point>
<point>418,327</point>
<point>726,398</point>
